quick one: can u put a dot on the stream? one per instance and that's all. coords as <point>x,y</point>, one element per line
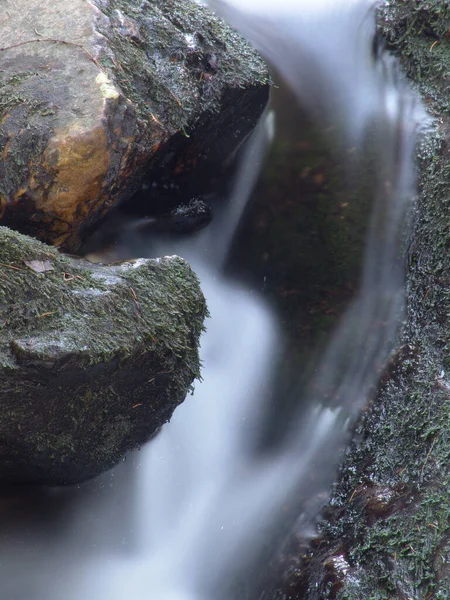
<point>199,512</point>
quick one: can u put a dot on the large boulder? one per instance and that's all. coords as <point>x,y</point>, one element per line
<point>96,95</point>
<point>93,360</point>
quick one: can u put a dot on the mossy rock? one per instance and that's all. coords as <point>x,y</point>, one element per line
<point>96,96</point>
<point>386,530</point>
<point>93,359</point>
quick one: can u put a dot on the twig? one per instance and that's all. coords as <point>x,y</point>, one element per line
<point>172,94</point>
<point>70,277</point>
<point>55,41</point>
<point>426,458</point>
<point>135,300</point>
<point>156,120</point>
<point>10,267</point>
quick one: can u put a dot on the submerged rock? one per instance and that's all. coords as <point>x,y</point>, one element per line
<point>105,245</point>
<point>93,360</point>
<point>96,95</point>
<point>300,242</point>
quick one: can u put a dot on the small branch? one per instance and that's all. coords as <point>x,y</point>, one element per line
<point>426,458</point>
<point>176,99</point>
<point>54,41</point>
<point>135,298</point>
<point>10,267</point>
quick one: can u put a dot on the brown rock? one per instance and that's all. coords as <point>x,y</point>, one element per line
<point>92,96</point>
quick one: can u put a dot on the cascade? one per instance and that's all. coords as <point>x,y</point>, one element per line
<point>181,519</point>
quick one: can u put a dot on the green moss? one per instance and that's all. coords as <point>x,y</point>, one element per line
<point>402,442</point>
<point>93,359</point>
<point>161,71</point>
<point>20,95</point>
<point>418,31</point>
<point>65,299</point>
<point>8,95</point>
<point>407,432</point>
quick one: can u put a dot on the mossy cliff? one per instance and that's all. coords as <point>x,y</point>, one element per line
<point>386,530</point>
<point>93,359</point>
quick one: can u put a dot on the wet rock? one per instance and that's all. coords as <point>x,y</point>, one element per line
<point>92,359</point>
<point>300,243</point>
<point>186,218</point>
<point>389,512</point>
<point>121,227</point>
<point>96,97</point>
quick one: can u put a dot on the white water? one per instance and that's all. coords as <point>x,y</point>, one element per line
<point>187,512</point>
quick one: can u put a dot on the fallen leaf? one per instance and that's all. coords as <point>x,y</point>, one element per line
<point>40,266</point>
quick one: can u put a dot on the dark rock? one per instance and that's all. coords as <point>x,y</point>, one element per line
<point>95,98</point>
<point>186,218</point>
<point>119,226</point>
<point>92,359</point>
<point>300,243</point>
<point>183,220</point>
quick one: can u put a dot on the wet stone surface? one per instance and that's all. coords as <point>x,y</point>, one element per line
<point>97,99</point>
<point>93,360</point>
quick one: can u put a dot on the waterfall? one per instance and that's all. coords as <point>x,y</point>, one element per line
<point>196,506</point>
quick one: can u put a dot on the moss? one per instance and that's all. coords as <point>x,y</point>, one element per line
<point>165,52</point>
<point>9,96</point>
<point>21,96</point>
<point>407,431</point>
<point>64,299</point>
<point>402,442</point>
<point>418,31</point>
<point>92,359</point>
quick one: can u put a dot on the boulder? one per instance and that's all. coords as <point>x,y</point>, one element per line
<point>95,96</point>
<point>93,359</point>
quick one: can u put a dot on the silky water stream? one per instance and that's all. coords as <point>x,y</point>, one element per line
<point>203,505</point>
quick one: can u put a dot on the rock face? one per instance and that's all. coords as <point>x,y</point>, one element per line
<point>95,95</point>
<point>92,359</point>
<point>386,531</point>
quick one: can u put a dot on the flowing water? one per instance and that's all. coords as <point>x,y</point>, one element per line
<point>200,505</point>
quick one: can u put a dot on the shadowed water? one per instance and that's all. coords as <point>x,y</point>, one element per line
<point>185,516</point>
